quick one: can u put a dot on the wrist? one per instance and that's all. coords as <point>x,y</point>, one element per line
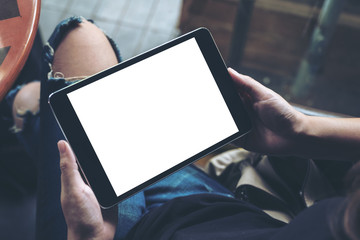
<point>302,125</point>
<point>301,135</point>
<point>314,138</point>
<point>84,235</point>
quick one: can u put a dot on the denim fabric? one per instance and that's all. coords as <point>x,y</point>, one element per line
<point>28,135</point>
<point>188,181</point>
<point>50,223</point>
<point>50,220</point>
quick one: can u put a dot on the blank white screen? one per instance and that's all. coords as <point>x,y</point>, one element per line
<point>150,116</point>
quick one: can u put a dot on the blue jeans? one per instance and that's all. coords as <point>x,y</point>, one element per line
<point>188,181</point>
<point>41,135</point>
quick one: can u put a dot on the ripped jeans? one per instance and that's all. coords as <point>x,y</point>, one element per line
<point>40,134</point>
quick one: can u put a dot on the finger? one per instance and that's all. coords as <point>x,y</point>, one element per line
<point>247,85</point>
<point>246,90</point>
<point>70,176</point>
<point>110,215</point>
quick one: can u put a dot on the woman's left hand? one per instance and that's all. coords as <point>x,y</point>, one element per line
<point>82,212</point>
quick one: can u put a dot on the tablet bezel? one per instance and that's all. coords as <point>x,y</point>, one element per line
<point>76,136</point>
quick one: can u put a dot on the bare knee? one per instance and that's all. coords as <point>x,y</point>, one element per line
<point>26,100</point>
<point>84,51</point>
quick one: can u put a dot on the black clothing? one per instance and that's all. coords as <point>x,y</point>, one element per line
<point>207,216</point>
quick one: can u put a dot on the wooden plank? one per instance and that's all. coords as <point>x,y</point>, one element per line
<point>216,15</point>
<point>305,11</point>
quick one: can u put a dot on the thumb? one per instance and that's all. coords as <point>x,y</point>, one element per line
<point>70,176</point>
<point>248,86</point>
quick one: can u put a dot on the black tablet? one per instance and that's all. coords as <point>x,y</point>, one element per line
<point>147,117</point>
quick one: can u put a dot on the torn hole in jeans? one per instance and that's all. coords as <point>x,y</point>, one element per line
<point>24,118</point>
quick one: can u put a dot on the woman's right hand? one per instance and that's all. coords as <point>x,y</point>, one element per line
<point>276,124</point>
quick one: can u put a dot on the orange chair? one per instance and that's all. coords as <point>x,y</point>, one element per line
<point>19,21</point>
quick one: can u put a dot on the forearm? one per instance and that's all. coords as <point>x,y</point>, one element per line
<point>329,138</point>
<point>279,129</point>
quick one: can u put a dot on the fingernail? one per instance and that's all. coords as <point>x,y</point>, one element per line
<point>236,73</point>
<point>231,70</point>
<point>61,147</point>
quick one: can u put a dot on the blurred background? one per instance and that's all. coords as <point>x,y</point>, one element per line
<point>135,25</point>
<point>306,50</point>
